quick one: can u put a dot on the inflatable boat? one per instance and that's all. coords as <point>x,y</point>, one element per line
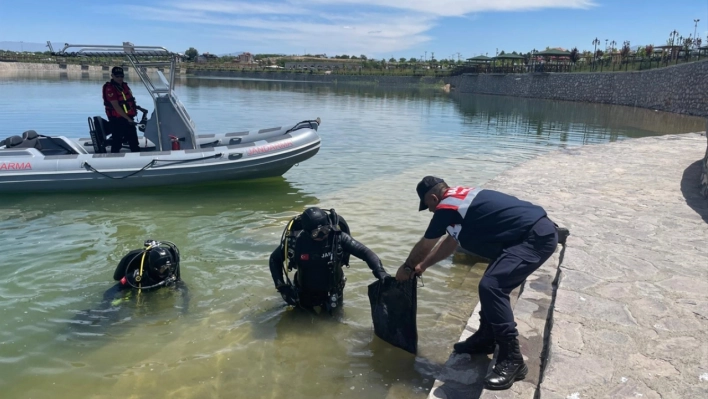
<point>171,152</point>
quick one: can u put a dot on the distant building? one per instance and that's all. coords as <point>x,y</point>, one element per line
<point>245,58</point>
<point>322,66</point>
<point>206,57</point>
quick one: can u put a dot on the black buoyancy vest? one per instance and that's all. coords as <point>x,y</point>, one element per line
<point>318,269</point>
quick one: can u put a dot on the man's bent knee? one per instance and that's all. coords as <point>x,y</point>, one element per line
<point>487,285</point>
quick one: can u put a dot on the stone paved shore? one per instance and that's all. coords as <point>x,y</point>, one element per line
<point>630,317</point>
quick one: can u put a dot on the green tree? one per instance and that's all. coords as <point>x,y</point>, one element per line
<point>413,59</point>
<point>574,55</point>
<point>402,60</point>
<point>624,52</point>
<point>391,59</point>
<point>191,53</point>
<point>363,57</point>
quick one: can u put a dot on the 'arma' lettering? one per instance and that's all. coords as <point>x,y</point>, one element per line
<point>270,147</point>
<point>15,166</point>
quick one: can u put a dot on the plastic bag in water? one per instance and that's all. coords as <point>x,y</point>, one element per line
<point>393,310</point>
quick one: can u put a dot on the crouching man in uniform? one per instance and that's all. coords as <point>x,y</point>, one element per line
<point>517,236</point>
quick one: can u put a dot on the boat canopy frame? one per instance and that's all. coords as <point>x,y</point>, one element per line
<point>141,58</point>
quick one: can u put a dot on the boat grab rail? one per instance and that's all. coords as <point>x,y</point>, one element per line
<point>149,165</point>
<point>311,124</point>
<point>127,49</point>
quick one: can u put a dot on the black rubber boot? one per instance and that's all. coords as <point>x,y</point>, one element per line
<point>509,367</point>
<point>480,343</point>
<point>563,234</point>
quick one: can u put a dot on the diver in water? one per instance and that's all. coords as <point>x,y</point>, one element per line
<point>155,266</point>
<point>317,244</point>
<point>152,267</point>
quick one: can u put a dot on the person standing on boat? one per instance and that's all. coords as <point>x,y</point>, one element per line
<point>517,236</point>
<point>317,245</point>
<point>121,109</point>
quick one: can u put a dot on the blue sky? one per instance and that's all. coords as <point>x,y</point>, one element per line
<point>376,28</point>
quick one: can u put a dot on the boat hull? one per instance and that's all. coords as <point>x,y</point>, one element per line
<point>77,172</point>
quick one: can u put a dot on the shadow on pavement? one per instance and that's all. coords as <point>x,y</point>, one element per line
<point>691,190</point>
<point>464,379</point>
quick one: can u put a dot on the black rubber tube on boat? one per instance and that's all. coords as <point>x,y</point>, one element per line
<point>149,165</point>
<point>92,169</point>
<point>219,155</point>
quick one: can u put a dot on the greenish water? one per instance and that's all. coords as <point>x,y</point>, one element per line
<point>236,339</point>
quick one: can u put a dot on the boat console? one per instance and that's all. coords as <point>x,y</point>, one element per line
<point>169,120</point>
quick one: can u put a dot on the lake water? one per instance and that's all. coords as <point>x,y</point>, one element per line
<point>235,337</point>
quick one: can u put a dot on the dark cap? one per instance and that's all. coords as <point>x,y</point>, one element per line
<point>117,71</point>
<point>424,186</point>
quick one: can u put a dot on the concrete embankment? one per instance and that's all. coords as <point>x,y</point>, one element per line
<point>9,67</point>
<point>680,89</point>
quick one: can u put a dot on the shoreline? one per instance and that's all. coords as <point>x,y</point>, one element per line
<point>679,89</point>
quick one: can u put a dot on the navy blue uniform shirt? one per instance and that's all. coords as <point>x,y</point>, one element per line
<point>493,221</point>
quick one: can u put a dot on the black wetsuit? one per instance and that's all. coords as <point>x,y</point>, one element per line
<point>319,272</point>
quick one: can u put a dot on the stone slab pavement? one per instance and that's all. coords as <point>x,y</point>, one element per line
<point>629,317</point>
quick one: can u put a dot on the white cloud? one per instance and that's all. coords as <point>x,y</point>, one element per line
<point>330,26</point>
<point>449,8</point>
<point>373,38</point>
<point>239,7</point>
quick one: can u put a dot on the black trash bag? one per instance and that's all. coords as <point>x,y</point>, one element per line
<point>393,310</point>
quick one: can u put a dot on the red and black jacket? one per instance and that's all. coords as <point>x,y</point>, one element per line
<point>121,93</point>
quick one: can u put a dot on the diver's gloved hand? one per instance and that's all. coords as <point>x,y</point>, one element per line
<point>381,274</point>
<point>288,293</point>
